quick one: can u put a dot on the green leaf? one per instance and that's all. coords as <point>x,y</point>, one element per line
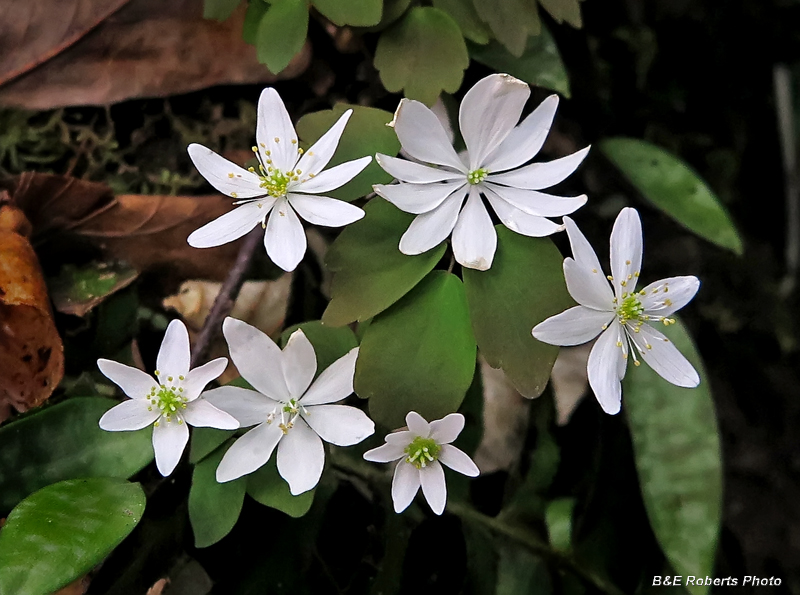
<point>564,10</point>
<point>330,342</point>
<point>205,441</point>
<point>464,13</point>
<point>356,13</point>
<point>511,21</point>
<point>59,533</point>
<point>213,507</point>
<point>524,286</point>
<point>675,188</point>
<point>540,63</point>
<point>558,516</point>
<point>77,290</point>
<point>521,573</point>
<point>419,355</point>
<point>366,133</point>
<point>65,442</point>
<point>220,10</point>
<point>281,33</point>
<point>267,487</point>
<point>256,9</point>
<point>371,273</point>
<point>424,54</point>
<point>677,450</point>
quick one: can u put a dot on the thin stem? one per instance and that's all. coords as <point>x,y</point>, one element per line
<point>228,293</point>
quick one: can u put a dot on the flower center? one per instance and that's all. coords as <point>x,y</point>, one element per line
<point>288,412</point>
<point>168,398</point>
<point>476,176</point>
<point>422,451</point>
<point>273,180</point>
<point>631,308</point>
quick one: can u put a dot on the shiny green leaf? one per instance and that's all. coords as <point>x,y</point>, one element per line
<point>464,13</point>
<point>675,188</point>
<point>252,19</point>
<point>366,133</point>
<point>511,21</point>
<point>524,286</point>
<point>423,54</point>
<point>330,342</point>
<point>65,442</point>
<point>60,532</point>
<point>267,487</point>
<point>371,273</point>
<point>205,441</point>
<point>281,33</point>
<point>219,9</point>
<point>356,13</point>
<point>677,450</point>
<point>419,355</point>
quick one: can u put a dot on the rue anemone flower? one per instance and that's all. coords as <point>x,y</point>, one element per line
<point>288,410</point>
<point>444,189</point>
<point>623,317</point>
<point>169,402</point>
<point>286,184</point>
<point>420,451</point>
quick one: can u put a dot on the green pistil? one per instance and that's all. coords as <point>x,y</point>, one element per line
<point>422,452</point>
<point>275,182</point>
<point>631,308</point>
<point>168,399</point>
<point>476,176</point>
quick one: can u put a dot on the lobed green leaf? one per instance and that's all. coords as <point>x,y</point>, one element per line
<point>281,33</point>
<point>356,13</point>
<point>267,487</point>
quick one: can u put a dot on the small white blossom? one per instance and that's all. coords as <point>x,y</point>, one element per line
<point>420,450</point>
<point>169,402</point>
<point>282,187</point>
<point>619,312</point>
<point>288,410</point>
<point>436,183</point>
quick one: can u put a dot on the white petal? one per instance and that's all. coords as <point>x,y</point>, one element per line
<point>246,406</point>
<point>169,440</point>
<point>518,220</point>
<point>422,135</point>
<point>173,356</point>
<point>626,251</point>
<point>322,210</point>
<point>339,424</point>
<point>662,355</point>
<point>227,177</point>
<point>538,203</point>
<point>129,415</point>
<point>197,379</point>
<point>489,111</point>
<point>275,132</point>
<point>447,429</point>
<point>299,363</point>
<point>232,225</point>
<point>320,153</point>
<point>524,142</point>
<point>432,228</point>
<point>417,198</point>
<point>538,176</point>
<point>433,486</point>
<point>666,296</point>
<point>458,460</point>
<point>332,178</point>
<point>385,454</point>
<point>415,173</point>
<point>400,438</point>
<point>572,327</point>
<point>334,383</point>
<point>285,239</point>
<point>256,357</point>
<point>604,369</point>
<point>588,288</point>
<point>249,452</point>
<point>417,424</point>
<point>133,382</point>
<point>301,458</point>
<point>202,414</point>
<point>582,250</point>
<point>474,237</point>
<point>405,485</point>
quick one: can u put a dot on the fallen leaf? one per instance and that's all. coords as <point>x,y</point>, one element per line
<point>158,587</point>
<point>570,380</point>
<point>77,290</point>
<point>148,48</point>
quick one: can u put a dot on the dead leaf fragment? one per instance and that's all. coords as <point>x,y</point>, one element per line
<point>570,380</point>
<point>77,290</point>
<point>158,587</point>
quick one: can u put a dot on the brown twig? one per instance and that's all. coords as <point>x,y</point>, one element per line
<point>228,293</point>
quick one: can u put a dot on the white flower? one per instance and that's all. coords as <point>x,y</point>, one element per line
<point>496,148</point>
<point>282,187</point>
<point>419,452</point>
<point>288,410</point>
<point>621,314</point>
<point>169,402</point>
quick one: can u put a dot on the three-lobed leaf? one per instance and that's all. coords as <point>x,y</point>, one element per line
<point>677,450</point>
<point>419,355</point>
<point>267,487</point>
<point>672,186</point>
<point>564,11</point>
<point>60,532</point>
<point>356,13</point>
<point>511,21</point>
<point>281,33</point>
<point>464,13</point>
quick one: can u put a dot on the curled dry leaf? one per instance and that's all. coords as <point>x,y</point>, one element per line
<point>148,48</point>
